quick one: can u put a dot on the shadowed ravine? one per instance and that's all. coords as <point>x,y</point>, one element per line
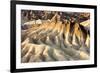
<point>54,40</point>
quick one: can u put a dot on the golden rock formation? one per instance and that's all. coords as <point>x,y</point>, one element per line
<point>55,41</point>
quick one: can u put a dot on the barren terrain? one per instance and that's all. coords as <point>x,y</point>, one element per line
<point>54,40</point>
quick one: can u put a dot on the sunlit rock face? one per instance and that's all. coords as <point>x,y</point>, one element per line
<point>55,40</point>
